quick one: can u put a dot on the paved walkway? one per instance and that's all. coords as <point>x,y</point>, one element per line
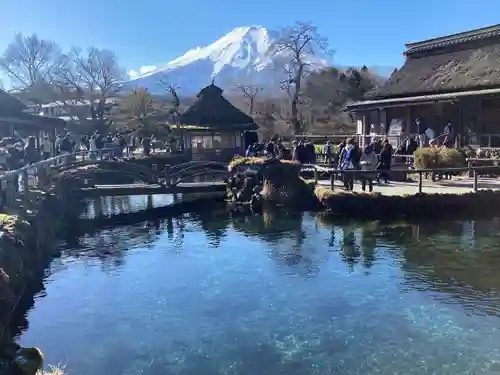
<point>458,185</point>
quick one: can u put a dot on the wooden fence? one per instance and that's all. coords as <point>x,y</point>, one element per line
<point>15,184</point>
<point>334,173</point>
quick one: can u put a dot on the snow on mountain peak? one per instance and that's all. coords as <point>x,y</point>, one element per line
<point>243,52</point>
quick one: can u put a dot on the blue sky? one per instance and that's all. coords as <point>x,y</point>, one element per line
<point>152,32</point>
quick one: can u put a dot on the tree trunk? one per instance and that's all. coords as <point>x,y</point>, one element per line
<point>297,127</point>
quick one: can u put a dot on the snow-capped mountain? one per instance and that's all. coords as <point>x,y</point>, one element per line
<point>240,57</point>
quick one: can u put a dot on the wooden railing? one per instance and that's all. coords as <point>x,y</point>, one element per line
<point>335,173</point>
<point>15,183</point>
<point>322,157</point>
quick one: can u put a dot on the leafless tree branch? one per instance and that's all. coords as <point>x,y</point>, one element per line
<point>297,44</point>
<point>30,61</point>
<point>172,90</point>
<point>90,77</point>
<point>250,92</point>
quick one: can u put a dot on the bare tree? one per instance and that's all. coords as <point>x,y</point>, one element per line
<point>90,78</point>
<point>141,113</point>
<point>250,92</point>
<point>171,89</point>
<point>30,61</point>
<point>138,105</point>
<point>297,44</point>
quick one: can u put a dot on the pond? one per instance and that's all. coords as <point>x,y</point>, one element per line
<point>275,294</point>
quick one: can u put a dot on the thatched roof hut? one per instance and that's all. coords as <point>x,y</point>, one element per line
<point>462,64</point>
<point>9,104</point>
<point>215,112</point>
<point>12,112</point>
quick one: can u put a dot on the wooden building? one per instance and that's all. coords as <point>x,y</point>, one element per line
<point>452,78</point>
<point>13,118</point>
<point>214,129</point>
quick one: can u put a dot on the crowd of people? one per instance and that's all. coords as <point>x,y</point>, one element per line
<point>372,163</point>
<point>16,152</point>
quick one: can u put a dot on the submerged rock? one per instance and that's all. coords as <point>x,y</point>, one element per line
<point>15,360</point>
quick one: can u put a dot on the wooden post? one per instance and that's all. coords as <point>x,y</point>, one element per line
<point>24,175</point>
<point>475,181</point>
<point>167,175</point>
<point>469,165</point>
<point>316,175</point>
<point>420,182</point>
<point>332,180</point>
<point>41,175</point>
<point>10,190</point>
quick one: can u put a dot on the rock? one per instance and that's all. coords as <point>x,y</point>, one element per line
<point>28,360</point>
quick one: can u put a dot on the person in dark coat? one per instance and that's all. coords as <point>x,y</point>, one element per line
<point>385,162</point>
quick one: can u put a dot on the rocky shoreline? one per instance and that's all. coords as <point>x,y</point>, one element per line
<point>26,239</point>
<point>278,183</point>
<point>27,236</point>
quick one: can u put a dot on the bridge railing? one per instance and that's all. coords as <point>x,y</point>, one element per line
<point>473,170</point>
<point>15,183</point>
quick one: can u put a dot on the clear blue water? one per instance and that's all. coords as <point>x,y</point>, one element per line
<point>279,294</point>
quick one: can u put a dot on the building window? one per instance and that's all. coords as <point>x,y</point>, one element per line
<point>201,142</point>
<point>223,141</point>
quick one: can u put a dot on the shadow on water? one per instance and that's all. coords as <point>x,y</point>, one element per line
<point>278,293</point>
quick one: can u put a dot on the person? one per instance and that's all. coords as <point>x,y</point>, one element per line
<point>46,148</point>
<point>99,141</point>
<point>448,135</point>
<point>385,161</point>
<point>422,137</point>
<point>328,151</point>
<point>146,146</point>
<point>93,147</point>
<point>346,163</point>
<point>65,146</point>
<point>368,162</point>
<point>15,157</point>
<point>249,152</point>
<point>430,134</point>
<point>270,149</point>
<point>30,151</point>
<point>310,153</point>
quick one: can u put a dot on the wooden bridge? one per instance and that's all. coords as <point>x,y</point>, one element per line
<point>81,174</point>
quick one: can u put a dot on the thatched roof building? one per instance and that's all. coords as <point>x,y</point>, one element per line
<point>12,112</point>
<point>458,65</point>
<point>9,104</point>
<point>213,111</point>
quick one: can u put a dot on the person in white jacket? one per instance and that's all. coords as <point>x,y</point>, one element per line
<point>368,164</point>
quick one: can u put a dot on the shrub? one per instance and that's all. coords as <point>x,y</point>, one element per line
<point>370,205</point>
<point>433,157</point>
<point>254,160</point>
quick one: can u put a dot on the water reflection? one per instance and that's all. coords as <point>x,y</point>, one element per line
<point>115,205</point>
<point>107,206</point>
<point>282,293</point>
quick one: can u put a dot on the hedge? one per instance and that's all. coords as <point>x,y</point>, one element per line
<point>434,157</point>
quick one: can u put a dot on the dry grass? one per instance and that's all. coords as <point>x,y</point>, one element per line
<point>444,72</point>
<point>53,370</point>
<point>240,160</point>
<point>378,206</point>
